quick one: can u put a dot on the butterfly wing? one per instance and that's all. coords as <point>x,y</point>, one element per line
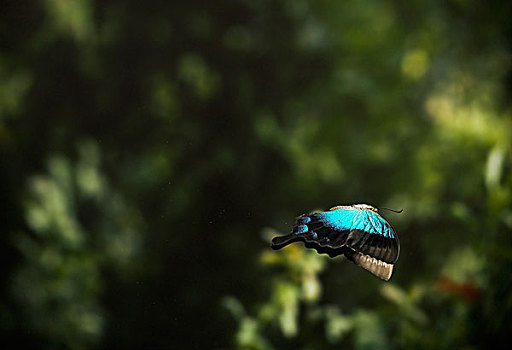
<point>374,245</point>
<point>362,235</point>
<point>373,236</point>
<point>327,232</point>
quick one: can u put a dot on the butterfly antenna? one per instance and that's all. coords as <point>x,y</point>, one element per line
<point>393,210</point>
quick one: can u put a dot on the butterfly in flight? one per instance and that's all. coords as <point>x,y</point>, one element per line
<point>357,231</point>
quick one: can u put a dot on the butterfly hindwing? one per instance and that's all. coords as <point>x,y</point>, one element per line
<point>314,230</point>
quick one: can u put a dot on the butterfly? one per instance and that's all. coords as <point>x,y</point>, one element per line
<point>357,231</point>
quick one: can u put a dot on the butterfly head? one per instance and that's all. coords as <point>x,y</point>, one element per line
<point>365,207</point>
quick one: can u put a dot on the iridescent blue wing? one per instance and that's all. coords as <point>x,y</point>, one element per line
<point>362,235</point>
<point>373,236</point>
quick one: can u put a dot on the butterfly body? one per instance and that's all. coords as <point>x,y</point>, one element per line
<point>357,231</point>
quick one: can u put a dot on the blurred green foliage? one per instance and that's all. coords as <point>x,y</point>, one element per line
<point>149,152</point>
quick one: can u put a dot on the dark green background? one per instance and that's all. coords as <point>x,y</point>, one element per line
<point>149,150</point>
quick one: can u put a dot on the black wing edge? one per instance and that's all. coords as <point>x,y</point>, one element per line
<point>283,241</point>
